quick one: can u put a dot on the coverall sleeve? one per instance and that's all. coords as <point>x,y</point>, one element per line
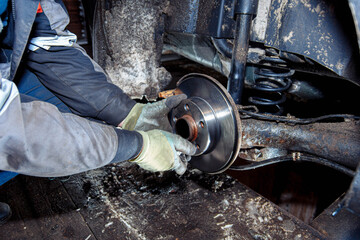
<point>38,140</point>
<point>78,81</point>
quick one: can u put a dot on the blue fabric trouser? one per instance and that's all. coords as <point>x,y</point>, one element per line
<point>29,85</point>
<point>31,88</point>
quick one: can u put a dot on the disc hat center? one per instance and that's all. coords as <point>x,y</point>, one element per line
<point>209,119</point>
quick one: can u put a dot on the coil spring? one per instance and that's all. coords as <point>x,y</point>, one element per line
<point>272,84</point>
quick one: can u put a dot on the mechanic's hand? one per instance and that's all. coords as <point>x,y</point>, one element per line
<point>161,152</point>
<point>145,117</point>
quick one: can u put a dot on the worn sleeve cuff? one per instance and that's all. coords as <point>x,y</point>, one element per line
<point>123,104</point>
<point>129,145</point>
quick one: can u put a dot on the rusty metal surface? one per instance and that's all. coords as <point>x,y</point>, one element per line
<point>354,7</point>
<point>338,222</point>
<point>342,219</point>
<point>210,17</point>
<point>339,142</point>
<point>352,197</point>
<point>320,30</point>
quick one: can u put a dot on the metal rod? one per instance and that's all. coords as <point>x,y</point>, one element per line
<point>239,56</point>
<point>223,46</point>
<point>245,10</point>
<point>299,158</point>
<point>338,142</point>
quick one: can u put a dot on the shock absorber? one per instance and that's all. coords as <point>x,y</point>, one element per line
<point>271,85</point>
<point>244,11</point>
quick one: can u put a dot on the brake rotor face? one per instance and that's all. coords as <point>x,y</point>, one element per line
<point>209,119</point>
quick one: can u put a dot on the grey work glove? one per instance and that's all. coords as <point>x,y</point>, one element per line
<point>161,152</point>
<point>145,117</point>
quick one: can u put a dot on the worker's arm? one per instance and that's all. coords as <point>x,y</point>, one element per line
<point>71,75</point>
<point>84,87</point>
<point>36,139</point>
<point>67,71</point>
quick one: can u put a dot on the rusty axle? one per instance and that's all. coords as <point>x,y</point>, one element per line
<point>338,142</point>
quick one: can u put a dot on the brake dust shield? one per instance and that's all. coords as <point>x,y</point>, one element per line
<point>209,119</point>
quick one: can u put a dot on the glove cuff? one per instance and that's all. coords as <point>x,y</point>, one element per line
<point>157,153</point>
<point>132,118</point>
<point>130,144</point>
<point>145,147</point>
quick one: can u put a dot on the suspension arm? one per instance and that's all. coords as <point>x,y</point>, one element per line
<point>338,142</point>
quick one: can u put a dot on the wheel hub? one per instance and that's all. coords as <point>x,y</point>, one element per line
<point>209,119</point>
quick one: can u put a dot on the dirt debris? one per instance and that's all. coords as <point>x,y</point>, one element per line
<point>136,198</point>
<point>144,183</point>
<point>193,206</point>
<point>128,45</point>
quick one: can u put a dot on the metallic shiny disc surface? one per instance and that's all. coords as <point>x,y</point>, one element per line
<point>208,118</point>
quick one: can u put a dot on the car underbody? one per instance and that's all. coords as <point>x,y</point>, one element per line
<point>287,73</point>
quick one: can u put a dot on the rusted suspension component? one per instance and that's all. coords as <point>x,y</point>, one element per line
<point>209,118</point>
<point>339,142</point>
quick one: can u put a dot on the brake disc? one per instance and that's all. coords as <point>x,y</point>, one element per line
<point>209,119</point>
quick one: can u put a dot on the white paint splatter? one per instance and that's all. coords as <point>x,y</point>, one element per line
<point>289,37</point>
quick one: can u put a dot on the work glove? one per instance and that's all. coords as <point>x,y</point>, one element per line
<point>164,151</point>
<point>145,117</point>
